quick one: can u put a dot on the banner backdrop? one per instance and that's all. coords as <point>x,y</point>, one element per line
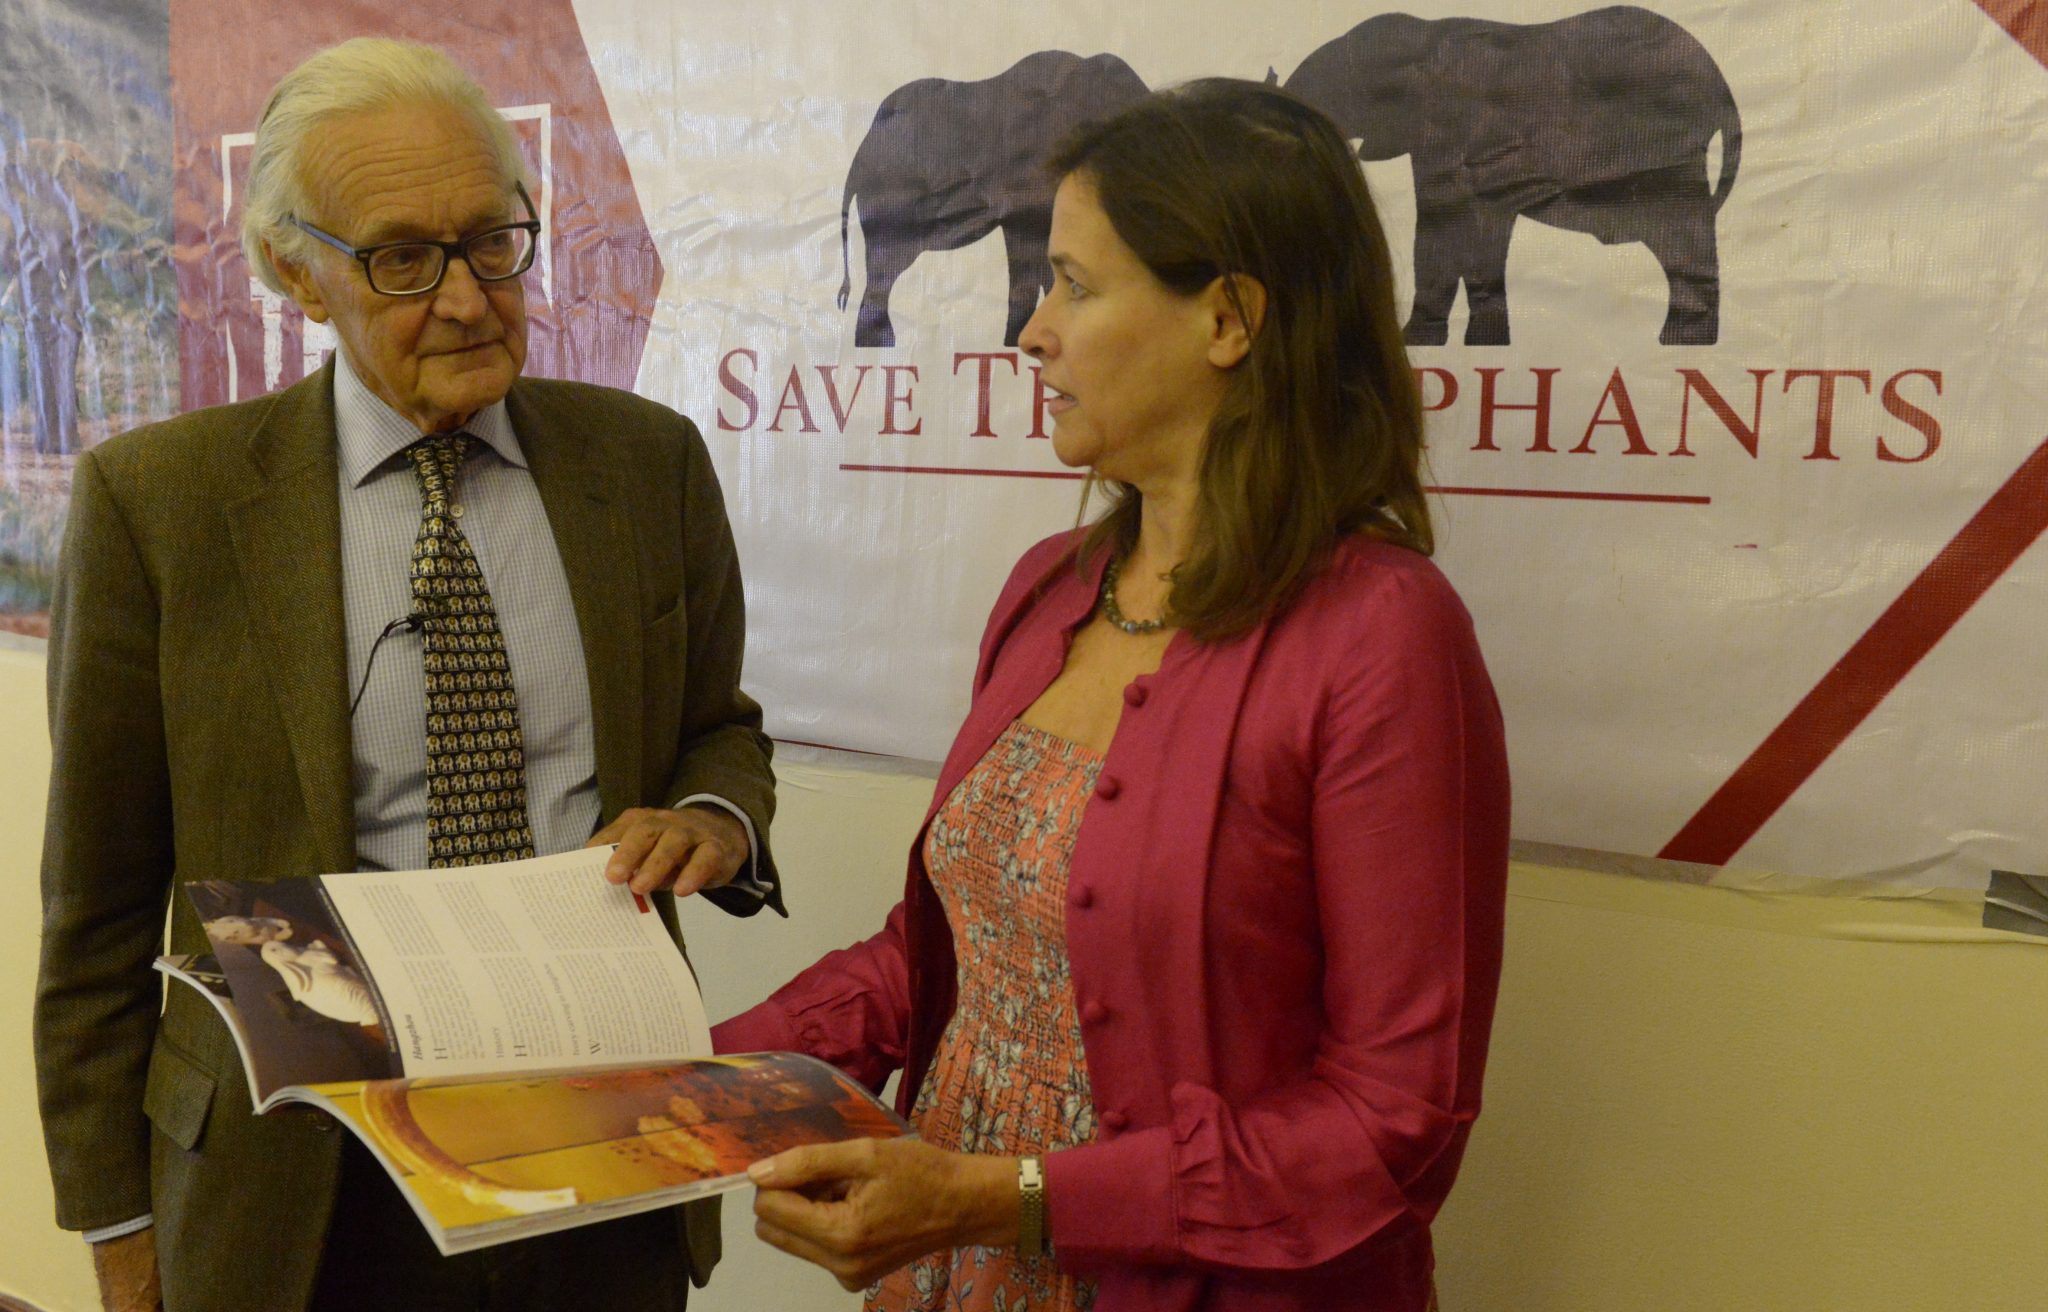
<point>1727,312</point>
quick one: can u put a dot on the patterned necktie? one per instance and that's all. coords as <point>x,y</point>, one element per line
<point>476,760</point>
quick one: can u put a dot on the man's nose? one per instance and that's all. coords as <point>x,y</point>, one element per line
<point>460,296</point>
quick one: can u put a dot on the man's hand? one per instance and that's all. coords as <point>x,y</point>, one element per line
<point>863,1208</point>
<point>686,851</point>
<point>127,1271</point>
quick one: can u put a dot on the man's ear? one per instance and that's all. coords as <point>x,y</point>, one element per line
<point>299,285</point>
<point>1237,307</point>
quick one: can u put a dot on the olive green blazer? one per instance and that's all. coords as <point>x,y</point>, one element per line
<point>199,719</point>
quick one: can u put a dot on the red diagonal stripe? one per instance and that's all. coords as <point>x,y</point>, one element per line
<point>2027,20</point>
<point>1965,569</point>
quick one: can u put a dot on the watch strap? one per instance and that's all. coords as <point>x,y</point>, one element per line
<point>1030,1207</point>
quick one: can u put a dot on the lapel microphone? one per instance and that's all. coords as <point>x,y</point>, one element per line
<point>412,623</point>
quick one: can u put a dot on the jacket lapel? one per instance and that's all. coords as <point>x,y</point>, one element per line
<point>1186,757</point>
<point>287,537</point>
<point>1032,631</point>
<point>576,476</point>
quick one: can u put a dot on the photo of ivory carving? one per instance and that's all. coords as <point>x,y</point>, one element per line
<point>1602,123</point>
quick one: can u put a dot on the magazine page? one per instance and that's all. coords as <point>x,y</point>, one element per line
<point>202,973</point>
<point>523,965</point>
<point>303,1009</point>
<point>486,1161</point>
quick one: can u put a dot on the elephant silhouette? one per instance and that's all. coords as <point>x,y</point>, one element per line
<point>946,163</point>
<point>1598,123</point>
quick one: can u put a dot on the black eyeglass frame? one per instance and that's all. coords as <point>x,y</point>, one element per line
<point>450,250</point>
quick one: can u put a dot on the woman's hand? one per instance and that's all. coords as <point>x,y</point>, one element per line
<point>861,1209</point>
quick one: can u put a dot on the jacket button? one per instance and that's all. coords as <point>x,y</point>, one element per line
<point>1134,694</point>
<point>1084,897</point>
<point>1115,1121</point>
<point>1094,1013</point>
<point>1107,788</point>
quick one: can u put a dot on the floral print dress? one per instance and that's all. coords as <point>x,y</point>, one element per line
<point>1009,1076</point>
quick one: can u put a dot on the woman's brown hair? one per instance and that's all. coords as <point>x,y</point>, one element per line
<point>1319,434</point>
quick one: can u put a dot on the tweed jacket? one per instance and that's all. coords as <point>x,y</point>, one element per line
<point>1283,917</point>
<point>199,718</point>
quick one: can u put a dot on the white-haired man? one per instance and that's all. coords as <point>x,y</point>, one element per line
<point>222,708</point>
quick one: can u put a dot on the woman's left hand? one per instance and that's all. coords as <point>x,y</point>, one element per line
<point>863,1208</point>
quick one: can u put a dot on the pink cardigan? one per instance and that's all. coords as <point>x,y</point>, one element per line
<point>1284,921</point>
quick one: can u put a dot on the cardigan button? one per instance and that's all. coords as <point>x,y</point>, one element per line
<point>1134,694</point>
<point>1094,1013</point>
<point>1115,1122</point>
<point>1107,788</point>
<point>1084,897</point>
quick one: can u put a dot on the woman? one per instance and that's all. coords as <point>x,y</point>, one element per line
<point>1200,941</point>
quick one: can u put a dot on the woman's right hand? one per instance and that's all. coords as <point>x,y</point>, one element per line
<point>863,1208</point>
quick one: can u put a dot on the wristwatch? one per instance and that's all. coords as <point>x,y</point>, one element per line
<point>1030,1207</point>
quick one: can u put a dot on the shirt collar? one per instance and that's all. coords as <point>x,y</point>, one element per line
<point>370,432</point>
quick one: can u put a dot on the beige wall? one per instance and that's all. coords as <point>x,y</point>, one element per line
<point>1700,1100</point>
<point>37,1261</point>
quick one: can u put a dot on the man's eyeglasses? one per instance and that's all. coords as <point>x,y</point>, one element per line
<point>414,268</point>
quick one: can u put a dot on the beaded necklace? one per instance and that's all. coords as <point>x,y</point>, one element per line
<point>1114,613</point>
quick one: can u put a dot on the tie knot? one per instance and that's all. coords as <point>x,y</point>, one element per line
<point>435,458</point>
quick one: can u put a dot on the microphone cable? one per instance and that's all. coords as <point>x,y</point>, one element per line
<point>412,623</point>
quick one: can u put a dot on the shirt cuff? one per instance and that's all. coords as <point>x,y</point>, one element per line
<point>121,1231</point>
<point>748,880</point>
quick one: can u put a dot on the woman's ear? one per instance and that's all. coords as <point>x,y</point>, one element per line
<point>1237,307</point>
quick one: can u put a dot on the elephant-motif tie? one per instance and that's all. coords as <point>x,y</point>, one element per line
<point>476,760</point>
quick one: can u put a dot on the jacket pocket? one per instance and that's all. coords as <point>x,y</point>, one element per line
<point>178,1096</point>
<point>665,612</point>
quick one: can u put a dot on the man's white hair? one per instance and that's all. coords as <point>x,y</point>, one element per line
<point>367,73</point>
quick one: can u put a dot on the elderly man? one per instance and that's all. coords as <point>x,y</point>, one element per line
<point>262,613</point>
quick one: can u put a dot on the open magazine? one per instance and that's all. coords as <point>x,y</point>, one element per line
<point>521,1045</point>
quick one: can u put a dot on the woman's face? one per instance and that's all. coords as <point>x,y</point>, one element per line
<point>1135,368</point>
